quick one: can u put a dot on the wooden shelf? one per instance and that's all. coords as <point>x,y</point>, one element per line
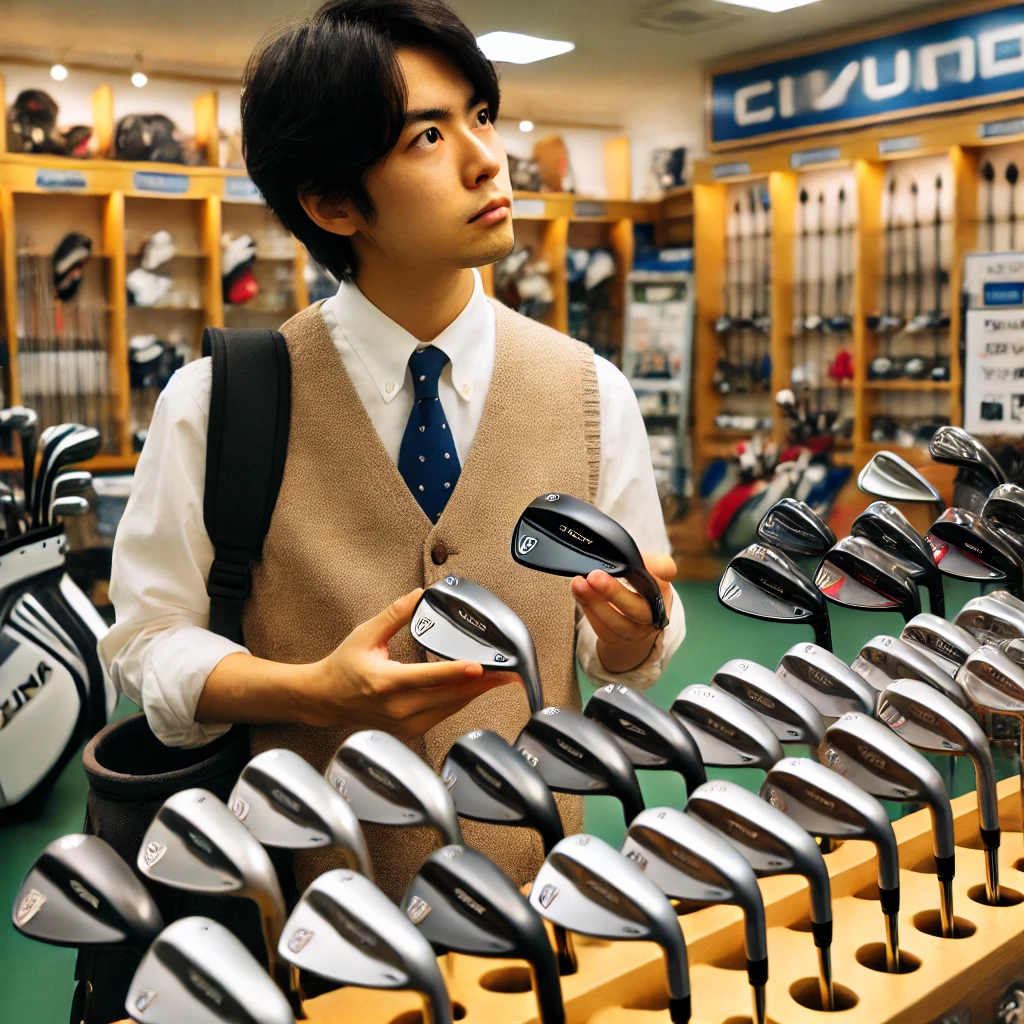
<point>99,464</point>
<point>908,385</point>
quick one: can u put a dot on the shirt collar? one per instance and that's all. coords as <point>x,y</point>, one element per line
<point>384,347</point>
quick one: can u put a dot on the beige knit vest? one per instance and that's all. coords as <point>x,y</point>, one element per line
<point>347,538</point>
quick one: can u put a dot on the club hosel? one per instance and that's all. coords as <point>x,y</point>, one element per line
<point>757,971</point>
<point>679,1010</point>
<point>936,595</point>
<point>945,867</point>
<point>530,675</point>
<point>990,838</point>
<point>647,587</point>
<point>547,987</point>
<point>890,900</point>
<point>823,632</point>
<point>565,951</point>
<point>822,933</point>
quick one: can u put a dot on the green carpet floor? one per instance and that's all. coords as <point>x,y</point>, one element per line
<point>38,981</point>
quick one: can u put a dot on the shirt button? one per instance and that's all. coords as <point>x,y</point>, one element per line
<point>465,389</point>
<point>389,387</point>
<point>439,554</point>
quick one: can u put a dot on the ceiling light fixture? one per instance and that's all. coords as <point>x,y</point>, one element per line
<point>58,72</point>
<point>139,77</point>
<point>771,6</point>
<point>526,126</point>
<point>516,48</point>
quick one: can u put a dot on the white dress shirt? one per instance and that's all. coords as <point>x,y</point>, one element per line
<point>160,652</point>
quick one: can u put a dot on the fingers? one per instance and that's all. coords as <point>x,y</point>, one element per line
<point>417,711</point>
<point>429,674</point>
<point>609,624</point>
<point>661,567</point>
<point>384,625</point>
<point>627,601</point>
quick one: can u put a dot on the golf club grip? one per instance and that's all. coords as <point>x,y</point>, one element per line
<point>647,587</point>
<point>547,987</point>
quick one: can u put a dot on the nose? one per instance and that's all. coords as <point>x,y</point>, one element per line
<point>483,157</point>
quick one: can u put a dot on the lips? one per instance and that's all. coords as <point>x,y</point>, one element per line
<point>494,205</point>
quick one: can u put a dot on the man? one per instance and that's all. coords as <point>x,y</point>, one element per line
<point>425,417</point>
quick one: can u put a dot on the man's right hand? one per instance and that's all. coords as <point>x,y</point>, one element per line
<point>356,685</point>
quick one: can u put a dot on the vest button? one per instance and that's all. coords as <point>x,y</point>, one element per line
<point>439,554</point>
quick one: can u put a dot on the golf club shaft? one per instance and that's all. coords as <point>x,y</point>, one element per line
<point>946,907</point>
<point>892,943</point>
<point>826,987</point>
<point>758,997</point>
<point>992,891</point>
<point>565,951</point>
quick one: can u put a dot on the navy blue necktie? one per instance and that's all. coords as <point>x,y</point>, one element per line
<point>427,460</point>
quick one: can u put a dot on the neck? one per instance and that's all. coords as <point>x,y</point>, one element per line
<point>424,304</point>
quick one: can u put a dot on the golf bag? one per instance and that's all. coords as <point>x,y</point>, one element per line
<point>131,773</point>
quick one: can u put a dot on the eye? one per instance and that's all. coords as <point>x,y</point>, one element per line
<point>486,115</point>
<point>435,132</point>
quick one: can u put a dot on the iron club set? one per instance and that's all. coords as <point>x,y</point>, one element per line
<point>967,547</point>
<point>884,659</point>
<point>794,527</point>
<point>562,535</point>
<point>587,886</point>
<point>990,620</point>
<point>856,573</point>
<point>947,644</point>
<point>828,683</point>
<point>460,620</point>
<point>888,476</point>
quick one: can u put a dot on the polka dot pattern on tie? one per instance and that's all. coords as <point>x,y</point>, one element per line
<point>427,459</point>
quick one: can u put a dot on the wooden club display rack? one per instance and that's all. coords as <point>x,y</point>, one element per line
<point>624,982</point>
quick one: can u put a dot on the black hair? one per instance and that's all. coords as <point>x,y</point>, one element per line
<point>324,101</point>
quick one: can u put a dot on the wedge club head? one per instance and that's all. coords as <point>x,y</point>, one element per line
<point>991,620</point>
<point>69,507</point>
<point>563,535</point>
<point>79,445</point>
<point>285,802</point>
<point>947,644</point>
<point>954,446</point>
<point>458,619</point>
<point>966,547</point>
<point>70,483</point>
<point>789,715</point>
<point>886,526</point>
<point>463,902</point>
<point>871,755</point>
<point>830,686</point>
<point>926,719</point>
<point>1005,508</point>
<point>587,886</point>
<point>794,527</point>
<point>649,734</point>
<point>767,584</point>
<point>773,844</point>
<point>890,477</point>
<point>993,678</point>
<point>884,659</point>
<point>195,843</point>
<point>386,783</point>
<point>826,804</point>
<point>345,929</point>
<point>727,732</point>
<point>79,892</point>
<point>197,970</point>
<point>690,861</point>
<point>575,755</point>
<point>858,574</point>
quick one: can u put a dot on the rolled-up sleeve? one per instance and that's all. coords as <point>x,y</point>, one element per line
<point>160,652</point>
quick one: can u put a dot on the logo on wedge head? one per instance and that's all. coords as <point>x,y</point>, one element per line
<point>145,1000</point>
<point>452,581</point>
<point>417,909</point>
<point>299,940</point>
<point>83,894</point>
<point>547,895</point>
<point>421,625</point>
<point>465,616</point>
<point>527,544</point>
<point>240,808</point>
<point>154,851</point>
<point>552,497</point>
<point>29,906</point>
<point>202,984</point>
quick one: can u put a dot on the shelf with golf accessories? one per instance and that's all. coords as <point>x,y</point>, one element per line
<point>624,982</point>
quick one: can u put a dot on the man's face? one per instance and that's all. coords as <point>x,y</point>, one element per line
<point>442,171</point>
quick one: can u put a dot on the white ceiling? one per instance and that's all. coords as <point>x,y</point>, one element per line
<point>599,82</point>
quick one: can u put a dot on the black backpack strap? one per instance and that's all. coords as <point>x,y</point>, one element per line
<point>247,441</point>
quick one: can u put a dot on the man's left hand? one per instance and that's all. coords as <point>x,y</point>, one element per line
<point>621,617</point>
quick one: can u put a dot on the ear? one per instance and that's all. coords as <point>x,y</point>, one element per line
<point>330,214</point>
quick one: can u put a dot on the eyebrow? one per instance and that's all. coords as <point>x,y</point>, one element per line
<point>440,113</point>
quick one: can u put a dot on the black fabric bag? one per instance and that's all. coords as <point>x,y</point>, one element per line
<point>130,772</point>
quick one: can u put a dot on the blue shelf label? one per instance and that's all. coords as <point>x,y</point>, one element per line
<point>242,188</point>
<point>737,169</point>
<point>808,157</point>
<point>953,64</point>
<point>1004,293</point>
<point>150,181</point>
<point>60,181</point>
<point>997,129</point>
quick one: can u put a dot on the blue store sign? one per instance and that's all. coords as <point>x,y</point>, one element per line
<point>975,59</point>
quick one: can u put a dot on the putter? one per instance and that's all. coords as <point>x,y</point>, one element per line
<point>286,803</point>
<point>789,715</point>
<point>196,970</point>
<point>1012,176</point>
<point>886,527</point>
<point>459,620</point>
<point>867,753</point>
<point>648,733</point>
<point>948,645</point>
<point>884,659</point>
<point>564,536</point>
<point>966,547</point>
<point>387,784</point>
<point>79,892</point>
<point>727,733</point>
<point>859,574</point>
<point>767,584</point>
<point>988,175</point>
<point>345,929</point>
<point>772,844</point>
<point>690,861</point>
<point>489,780</point>
<point>930,721</point>
<point>795,528</point>
<point>587,886</point>
<point>826,804</point>
<point>831,687</point>
<point>995,681</point>
<point>575,755</point>
<point>195,843</point>
<point>465,903</point>
<point>890,477</point>
<point>990,620</point>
